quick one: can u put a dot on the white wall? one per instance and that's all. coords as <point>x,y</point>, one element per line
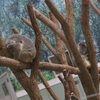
<point>57,87</point>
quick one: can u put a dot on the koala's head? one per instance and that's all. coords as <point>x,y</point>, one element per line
<point>82,47</point>
<point>13,44</point>
<point>82,44</point>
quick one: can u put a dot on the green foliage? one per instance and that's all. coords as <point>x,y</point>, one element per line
<point>4,69</point>
<point>5,89</point>
<point>78,30</point>
<point>95,28</point>
<point>47,74</point>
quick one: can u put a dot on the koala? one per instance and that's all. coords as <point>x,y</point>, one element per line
<point>21,48</point>
<point>82,47</point>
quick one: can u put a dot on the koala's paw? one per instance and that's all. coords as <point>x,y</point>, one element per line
<point>25,57</point>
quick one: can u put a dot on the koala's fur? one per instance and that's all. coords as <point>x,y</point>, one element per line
<point>82,47</point>
<point>21,48</point>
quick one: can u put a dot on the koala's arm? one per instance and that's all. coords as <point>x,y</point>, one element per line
<point>86,61</point>
<point>18,50</point>
<point>27,55</point>
<point>16,54</point>
<point>24,54</point>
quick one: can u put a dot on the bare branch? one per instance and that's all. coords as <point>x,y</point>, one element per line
<point>3,49</point>
<point>47,22</point>
<point>17,65</point>
<point>22,78</point>
<point>38,39</point>
<point>20,75</point>
<point>70,13</point>
<point>28,85</point>
<point>69,10</point>
<point>36,29</point>
<point>94,7</point>
<point>48,86</point>
<point>59,42</point>
<point>74,97</point>
<point>50,24</point>
<point>53,27</point>
<point>48,45</point>
<point>26,22</point>
<point>15,30</point>
<point>43,38</point>
<point>71,41</point>
<point>61,79</point>
<point>13,64</point>
<point>66,84</point>
<point>58,67</point>
<point>89,42</point>
<point>55,11</point>
<point>61,56</point>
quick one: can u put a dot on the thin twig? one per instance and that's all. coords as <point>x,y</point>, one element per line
<point>15,30</point>
<point>94,7</point>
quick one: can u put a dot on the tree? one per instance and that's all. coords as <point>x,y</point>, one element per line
<point>89,80</point>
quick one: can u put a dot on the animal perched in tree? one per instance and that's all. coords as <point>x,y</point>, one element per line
<point>82,47</point>
<point>21,48</point>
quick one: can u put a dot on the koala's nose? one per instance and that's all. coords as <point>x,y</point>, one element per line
<point>11,43</point>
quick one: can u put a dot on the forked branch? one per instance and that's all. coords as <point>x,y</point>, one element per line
<point>43,38</point>
<point>37,41</point>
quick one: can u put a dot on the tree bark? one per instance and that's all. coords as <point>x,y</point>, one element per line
<point>17,65</point>
<point>29,85</point>
<point>70,13</point>
<point>90,43</point>
<point>15,30</point>
<point>52,26</point>
<point>62,59</point>
<point>3,49</point>
<point>90,81</point>
<point>66,87</point>
<point>87,85</point>
<point>35,93</point>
